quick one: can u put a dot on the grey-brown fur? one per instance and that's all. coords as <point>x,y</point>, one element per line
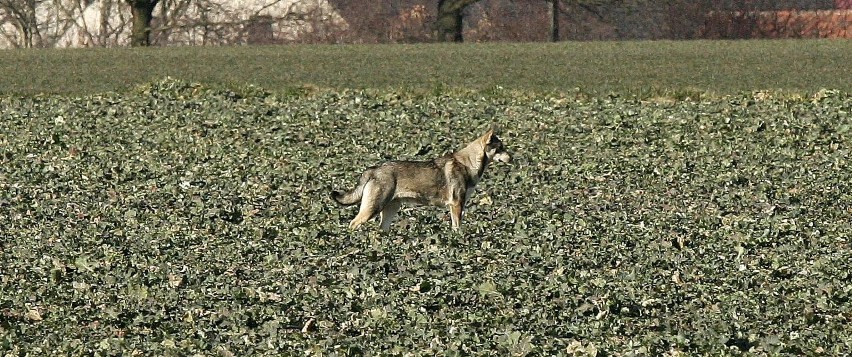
<point>446,181</point>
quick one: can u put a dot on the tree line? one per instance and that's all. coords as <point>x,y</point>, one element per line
<point>56,23</point>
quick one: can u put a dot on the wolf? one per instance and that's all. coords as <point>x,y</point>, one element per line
<point>445,181</point>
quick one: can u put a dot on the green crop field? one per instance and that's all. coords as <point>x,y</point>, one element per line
<point>645,69</point>
<point>174,218</point>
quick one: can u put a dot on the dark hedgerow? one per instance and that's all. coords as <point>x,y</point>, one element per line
<point>178,219</point>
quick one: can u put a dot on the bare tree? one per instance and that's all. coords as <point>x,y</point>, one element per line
<point>142,12</point>
<point>22,14</point>
<point>217,22</point>
<point>166,22</point>
<point>531,20</point>
<point>589,6</point>
<point>449,24</point>
<point>413,24</point>
<point>37,23</point>
<point>554,20</point>
<point>95,23</point>
<point>386,21</point>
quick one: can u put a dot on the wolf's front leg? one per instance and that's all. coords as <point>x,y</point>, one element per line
<point>456,201</point>
<point>456,215</point>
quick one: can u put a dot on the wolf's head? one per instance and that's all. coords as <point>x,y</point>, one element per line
<point>493,147</point>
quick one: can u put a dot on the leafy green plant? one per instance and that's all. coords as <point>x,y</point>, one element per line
<point>179,219</point>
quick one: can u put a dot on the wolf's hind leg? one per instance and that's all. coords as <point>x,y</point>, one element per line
<point>456,210</point>
<point>373,201</point>
<point>369,207</point>
<point>388,214</point>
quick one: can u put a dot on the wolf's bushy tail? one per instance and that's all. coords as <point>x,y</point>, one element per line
<point>353,196</point>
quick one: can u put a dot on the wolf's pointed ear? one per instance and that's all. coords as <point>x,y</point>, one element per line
<point>485,139</point>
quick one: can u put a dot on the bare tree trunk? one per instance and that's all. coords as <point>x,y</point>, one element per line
<point>142,12</point>
<point>449,23</point>
<point>554,20</point>
<point>22,14</point>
